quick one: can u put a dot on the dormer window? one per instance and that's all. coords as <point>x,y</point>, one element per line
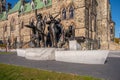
<point>22,8</point>
<point>32,5</point>
<point>45,2</point>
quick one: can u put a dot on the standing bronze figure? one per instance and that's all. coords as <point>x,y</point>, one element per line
<point>40,25</point>
<point>52,27</point>
<point>55,30</point>
<point>39,38</point>
<point>33,35</point>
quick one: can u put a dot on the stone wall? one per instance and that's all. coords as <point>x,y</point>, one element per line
<point>91,20</point>
<point>103,23</point>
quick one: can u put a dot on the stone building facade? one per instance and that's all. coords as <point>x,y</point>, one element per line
<point>2,5</point>
<point>90,18</point>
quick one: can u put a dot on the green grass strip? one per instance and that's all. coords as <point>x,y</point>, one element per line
<point>10,72</point>
<point>6,52</point>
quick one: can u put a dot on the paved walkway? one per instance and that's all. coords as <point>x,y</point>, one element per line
<point>108,71</point>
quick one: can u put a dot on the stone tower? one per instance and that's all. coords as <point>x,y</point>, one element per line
<point>2,5</point>
<point>104,23</point>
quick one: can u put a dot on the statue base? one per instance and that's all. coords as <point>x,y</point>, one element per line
<point>37,53</point>
<point>71,56</point>
<point>85,57</point>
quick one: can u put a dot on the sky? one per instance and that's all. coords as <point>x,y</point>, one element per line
<point>115,10</point>
<point>115,7</point>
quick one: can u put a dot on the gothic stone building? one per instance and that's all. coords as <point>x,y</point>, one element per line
<point>90,18</point>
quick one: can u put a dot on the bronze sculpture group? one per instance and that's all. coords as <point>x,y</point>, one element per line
<point>56,36</point>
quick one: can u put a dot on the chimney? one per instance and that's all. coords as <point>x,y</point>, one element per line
<point>9,6</point>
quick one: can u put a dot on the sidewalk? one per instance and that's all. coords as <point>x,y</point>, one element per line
<point>108,71</point>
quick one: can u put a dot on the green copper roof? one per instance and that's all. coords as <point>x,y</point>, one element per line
<point>3,16</point>
<point>27,7</point>
<point>39,4</point>
<point>16,7</point>
<point>49,3</point>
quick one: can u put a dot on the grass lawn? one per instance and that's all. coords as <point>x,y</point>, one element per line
<point>6,52</point>
<point>10,72</point>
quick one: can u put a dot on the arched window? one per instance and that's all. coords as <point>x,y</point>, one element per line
<point>71,11</point>
<point>21,25</point>
<point>64,13</point>
<point>72,30</point>
<point>111,30</point>
<point>5,28</point>
<point>12,24</point>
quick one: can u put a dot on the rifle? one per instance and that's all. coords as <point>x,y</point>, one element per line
<point>55,16</point>
<point>28,26</point>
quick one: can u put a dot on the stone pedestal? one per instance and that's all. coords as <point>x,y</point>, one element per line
<point>85,57</point>
<point>37,53</point>
<point>73,45</point>
<point>40,54</point>
<point>71,56</point>
<point>21,52</point>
